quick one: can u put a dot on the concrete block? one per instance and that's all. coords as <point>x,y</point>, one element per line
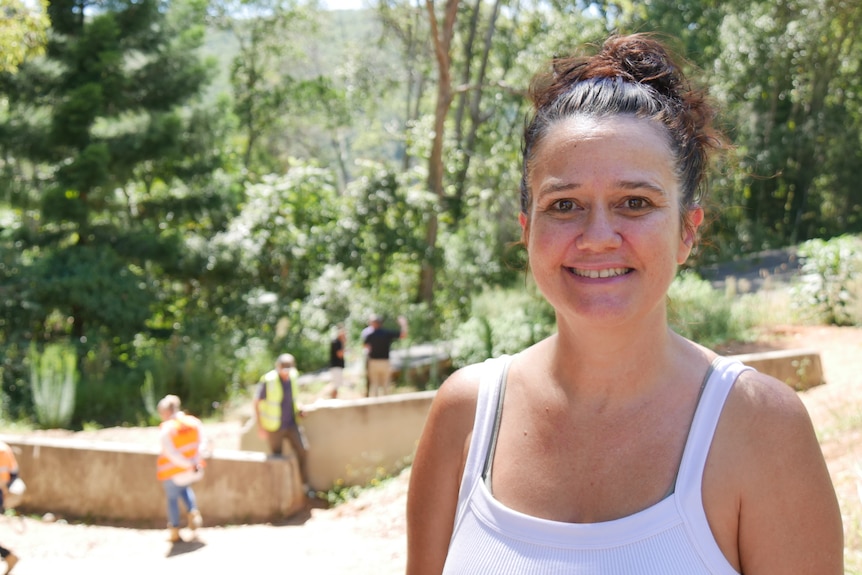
<point>799,368</point>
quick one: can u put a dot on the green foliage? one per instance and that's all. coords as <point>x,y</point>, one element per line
<point>831,279</point>
<point>182,235</point>
<point>703,314</point>
<point>489,333</point>
<point>204,375</point>
<point>23,28</point>
<point>95,283</point>
<point>341,493</point>
<point>151,396</point>
<point>54,379</point>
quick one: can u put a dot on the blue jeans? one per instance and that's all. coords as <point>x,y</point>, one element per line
<point>175,493</point>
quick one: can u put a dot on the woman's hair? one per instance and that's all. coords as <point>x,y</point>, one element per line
<point>169,403</point>
<point>629,75</point>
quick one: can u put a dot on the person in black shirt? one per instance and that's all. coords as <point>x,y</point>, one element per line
<point>378,341</point>
<point>336,360</point>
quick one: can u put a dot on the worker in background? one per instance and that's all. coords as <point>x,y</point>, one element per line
<point>277,414</point>
<point>180,463</point>
<point>8,474</point>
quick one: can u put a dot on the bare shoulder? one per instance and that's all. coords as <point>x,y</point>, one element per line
<point>462,386</point>
<point>765,400</point>
<point>766,422</point>
<point>454,405</point>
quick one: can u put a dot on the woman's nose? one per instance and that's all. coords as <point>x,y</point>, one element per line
<point>598,232</point>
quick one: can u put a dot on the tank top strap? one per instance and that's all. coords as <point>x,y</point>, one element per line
<point>488,404</point>
<point>689,484</point>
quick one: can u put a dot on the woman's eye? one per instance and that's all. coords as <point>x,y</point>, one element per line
<point>636,203</point>
<point>565,205</point>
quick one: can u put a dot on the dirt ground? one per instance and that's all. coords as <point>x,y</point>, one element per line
<point>367,535</point>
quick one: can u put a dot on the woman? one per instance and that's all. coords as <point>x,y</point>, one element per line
<point>615,445</point>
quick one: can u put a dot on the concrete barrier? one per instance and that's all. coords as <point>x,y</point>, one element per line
<point>108,481</point>
<point>801,369</point>
<point>352,442</point>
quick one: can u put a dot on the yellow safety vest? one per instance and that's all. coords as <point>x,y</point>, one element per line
<point>186,437</point>
<point>269,409</point>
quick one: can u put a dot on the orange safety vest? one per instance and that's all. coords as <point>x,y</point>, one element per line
<point>8,463</point>
<point>186,436</point>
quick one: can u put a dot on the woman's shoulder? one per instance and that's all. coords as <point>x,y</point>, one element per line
<point>760,394</point>
<point>764,418</point>
<point>462,387</point>
<point>456,399</point>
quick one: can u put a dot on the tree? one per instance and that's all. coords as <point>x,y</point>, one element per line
<point>272,81</point>
<point>22,32</point>
<point>102,161</point>
<point>788,74</point>
<point>442,38</point>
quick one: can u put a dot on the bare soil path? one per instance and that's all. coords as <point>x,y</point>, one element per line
<point>367,536</point>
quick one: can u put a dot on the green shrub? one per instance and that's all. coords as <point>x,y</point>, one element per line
<point>54,379</point>
<point>831,279</point>
<point>703,314</point>
<point>491,331</point>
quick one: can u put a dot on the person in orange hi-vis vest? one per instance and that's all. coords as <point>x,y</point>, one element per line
<point>180,463</point>
<point>8,474</point>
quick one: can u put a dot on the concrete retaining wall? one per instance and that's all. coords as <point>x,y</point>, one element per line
<point>801,369</point>
<point>99,480</point>
<point>353,441</point>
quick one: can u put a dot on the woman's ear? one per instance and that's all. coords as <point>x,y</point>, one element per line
<point>525,227</point>
<point>693,222</point>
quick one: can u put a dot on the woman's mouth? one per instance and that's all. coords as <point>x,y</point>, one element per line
<point>596,274</point>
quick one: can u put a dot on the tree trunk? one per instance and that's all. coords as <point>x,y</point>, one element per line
<point>442,39</point>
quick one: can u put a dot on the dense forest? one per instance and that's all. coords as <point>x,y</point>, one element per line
<point>188,187</point>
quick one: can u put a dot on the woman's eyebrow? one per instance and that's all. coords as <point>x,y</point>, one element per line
<point>640,185</point>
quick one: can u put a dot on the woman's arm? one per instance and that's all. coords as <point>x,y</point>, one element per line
<point>436,474</point>
<point>787,514</point>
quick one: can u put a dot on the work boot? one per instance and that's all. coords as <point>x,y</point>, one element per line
<point>195,520</point>
<point>11,560</point>
<point>174,534</point>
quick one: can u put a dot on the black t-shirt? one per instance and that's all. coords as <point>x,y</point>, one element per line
<point>380,340</point>
<point>334,347</point>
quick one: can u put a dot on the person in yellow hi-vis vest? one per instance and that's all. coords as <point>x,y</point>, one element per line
<point>277,414</point>
<point>8,474</point>
<point>180,463</point>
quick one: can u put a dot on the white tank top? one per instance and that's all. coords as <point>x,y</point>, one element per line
<point>671,537</point>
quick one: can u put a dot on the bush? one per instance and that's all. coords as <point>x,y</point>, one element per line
<point>54,379</point>
<point>831,279</point>
<point>528,318</point>
<point>703,314</point>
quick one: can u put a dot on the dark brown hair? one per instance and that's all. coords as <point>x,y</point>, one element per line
<point>629,75</point>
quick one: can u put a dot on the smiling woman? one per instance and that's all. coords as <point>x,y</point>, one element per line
<point>616,445</point>
<point>604,237</point>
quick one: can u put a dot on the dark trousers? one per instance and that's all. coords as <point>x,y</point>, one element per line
<point>297,440</point>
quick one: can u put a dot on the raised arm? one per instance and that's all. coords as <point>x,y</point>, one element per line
<point>436,474</point>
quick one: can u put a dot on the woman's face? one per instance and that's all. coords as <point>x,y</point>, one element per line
<point>603,233</point>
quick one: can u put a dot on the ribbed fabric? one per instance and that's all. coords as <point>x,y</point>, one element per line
<point>671,537</point>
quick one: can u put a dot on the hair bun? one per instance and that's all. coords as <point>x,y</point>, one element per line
<point>640,58</point>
